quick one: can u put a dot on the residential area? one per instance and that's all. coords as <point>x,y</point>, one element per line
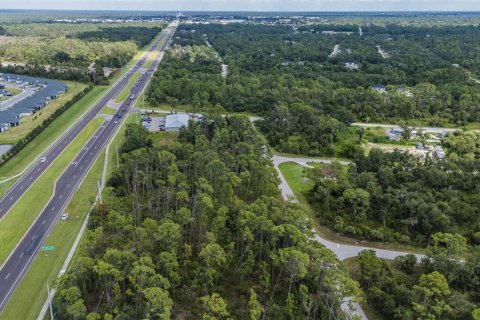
<point>35,94</point>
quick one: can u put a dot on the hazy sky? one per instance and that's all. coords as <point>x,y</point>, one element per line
<point>248,5</point>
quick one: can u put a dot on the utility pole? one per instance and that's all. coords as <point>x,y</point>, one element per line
<point>49,302</point>
<point>118,164</point>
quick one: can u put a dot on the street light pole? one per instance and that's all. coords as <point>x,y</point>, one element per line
<point>50,302</point>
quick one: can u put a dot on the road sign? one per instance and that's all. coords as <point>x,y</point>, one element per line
<point>48,248</point>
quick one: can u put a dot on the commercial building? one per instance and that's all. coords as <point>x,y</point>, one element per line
<point>174,122</point>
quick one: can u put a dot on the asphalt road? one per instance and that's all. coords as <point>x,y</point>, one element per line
<point>343,251</point>
<point>21,258</point>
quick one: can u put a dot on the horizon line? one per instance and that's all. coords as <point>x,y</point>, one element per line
<point>246,11</point>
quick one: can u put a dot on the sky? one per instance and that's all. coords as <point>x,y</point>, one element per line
<point>247,5</point>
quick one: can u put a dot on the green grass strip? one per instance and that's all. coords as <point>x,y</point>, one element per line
<point>30,295</point>
<point>38,145</point>
<point>17,221</point>
<point>126,91</point>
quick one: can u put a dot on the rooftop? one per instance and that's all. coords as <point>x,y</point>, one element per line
<point>177,120</point>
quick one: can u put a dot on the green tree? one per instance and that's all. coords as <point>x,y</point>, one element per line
<point>432,291</point>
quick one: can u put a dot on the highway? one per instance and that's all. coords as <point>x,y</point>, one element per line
<point>22,256</point>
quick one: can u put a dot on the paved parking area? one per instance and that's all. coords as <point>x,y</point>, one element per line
<point>156,123</point>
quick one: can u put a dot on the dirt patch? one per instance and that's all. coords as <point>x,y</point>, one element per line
<point>6,39</point>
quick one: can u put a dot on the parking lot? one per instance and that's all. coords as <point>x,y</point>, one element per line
<point>154,124</point>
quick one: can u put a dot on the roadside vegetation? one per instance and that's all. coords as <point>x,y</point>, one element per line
<point>69,51</point>
<point>123,95</point>
<point>215,240</point>
<point>14,134</point>
<point>21,216</point>
<point>46,267</point>
<point>53,131</point>
<point>438,287</point>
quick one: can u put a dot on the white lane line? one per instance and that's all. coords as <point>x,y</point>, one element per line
<point>8,275</point>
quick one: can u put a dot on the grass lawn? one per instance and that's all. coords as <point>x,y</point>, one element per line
<point>45,268</point>
<point>293,155</point>
<point>41,142</point>
<point>108,110</point>
<point>13,91</point>
<point>126,91</point>
<point>473,126</point>
<point>117,142</point>
<point>118,74</point>
<point>152,55</point>
<point>17,221</point>
<point>28,298</point>
<point>296,177</point>
<point>163,138</point>
<point>14,134</point>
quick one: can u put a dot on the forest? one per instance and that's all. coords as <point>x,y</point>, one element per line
<point>196,228</point>
<point>140,35</point>
<point>395,197</point>
<point>437,287</point>
<point>66,51</point>
<point>430,75</point>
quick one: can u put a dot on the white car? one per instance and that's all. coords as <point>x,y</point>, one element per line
<point>43,160</point>
<point>65,216</point>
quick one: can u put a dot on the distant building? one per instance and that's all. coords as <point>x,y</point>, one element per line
<point>394,136</point>
<point>351,65</point>
<point>420,145</point>
<point>439,152</point>
<point>405,91</point>
<point>174,122</point>
<point>329,32</point>
<point>379,88</point>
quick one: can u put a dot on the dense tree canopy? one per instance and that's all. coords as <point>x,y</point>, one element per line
<point>398,197</point>
<point>197,229</point>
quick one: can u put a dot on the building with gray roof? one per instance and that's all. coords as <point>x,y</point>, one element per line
<point>47,90</point>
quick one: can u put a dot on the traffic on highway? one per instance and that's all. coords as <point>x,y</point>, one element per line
<point>21,258</point>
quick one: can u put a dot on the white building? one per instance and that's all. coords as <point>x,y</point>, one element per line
<point>176,121</point>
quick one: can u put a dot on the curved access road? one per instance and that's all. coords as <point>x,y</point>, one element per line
<point>343,251</point>
<point>21,258</point>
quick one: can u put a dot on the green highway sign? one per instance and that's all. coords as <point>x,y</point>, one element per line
<point>48,248</point>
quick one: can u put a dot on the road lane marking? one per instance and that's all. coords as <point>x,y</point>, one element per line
<point>8,275</point>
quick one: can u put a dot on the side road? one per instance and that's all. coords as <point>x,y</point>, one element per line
<point>343,251</point>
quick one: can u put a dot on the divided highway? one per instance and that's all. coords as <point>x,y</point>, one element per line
<point>22,257</point>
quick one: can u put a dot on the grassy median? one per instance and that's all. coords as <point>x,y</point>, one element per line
<point>126,91</point>
<point>41,142</point>
<point>30,295</point>
<point>12,135</point>
<point>17,221</point>
<point>108,110</point>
